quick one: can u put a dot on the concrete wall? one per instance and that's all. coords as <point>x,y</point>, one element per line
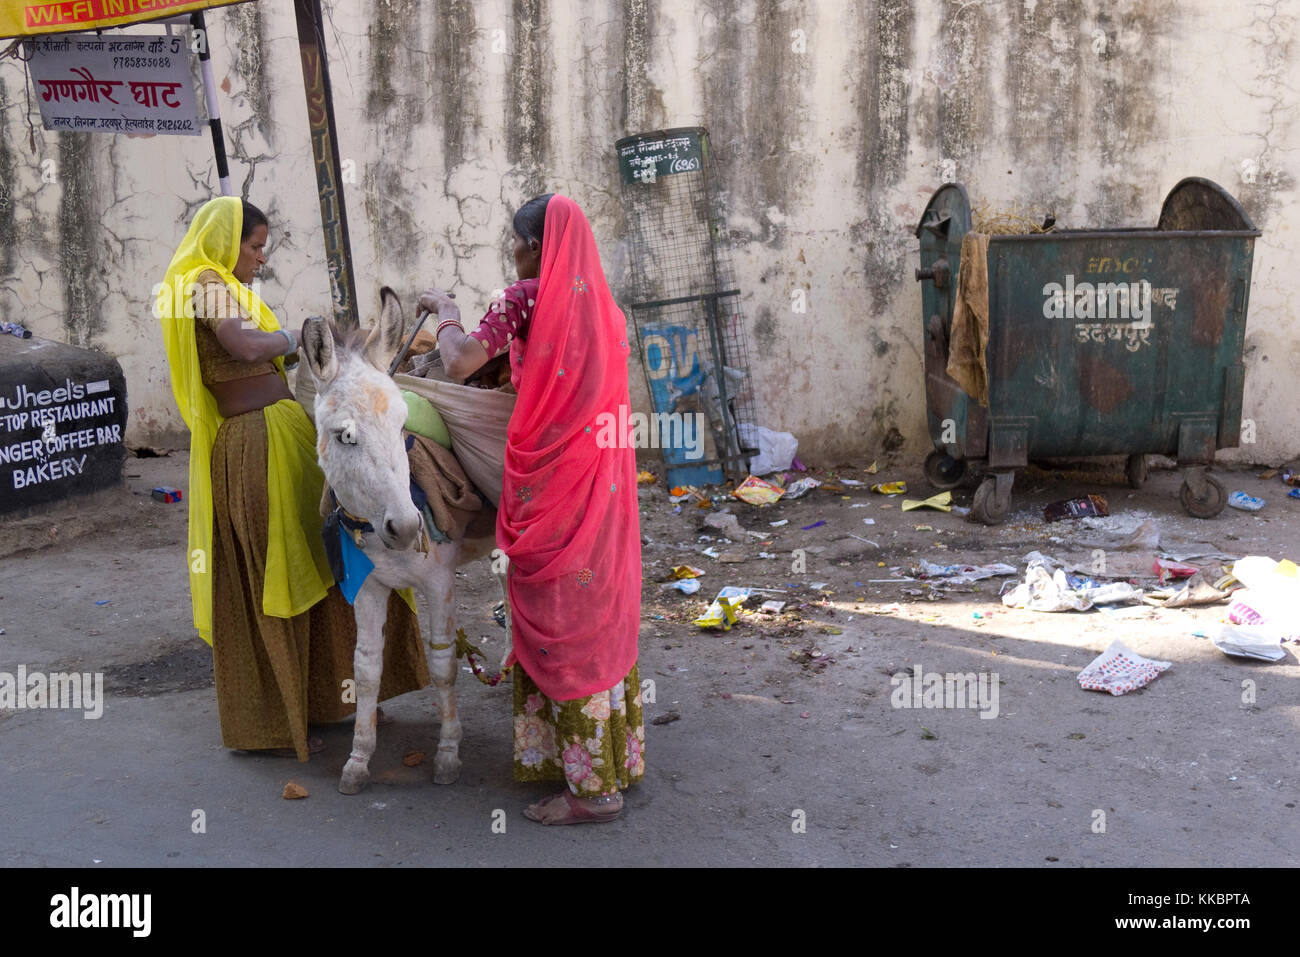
<point>832,123</point>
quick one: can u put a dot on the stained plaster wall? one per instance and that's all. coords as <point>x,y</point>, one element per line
<point>832,123</point>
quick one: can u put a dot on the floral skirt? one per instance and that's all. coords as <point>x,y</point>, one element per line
<point>596,744</point>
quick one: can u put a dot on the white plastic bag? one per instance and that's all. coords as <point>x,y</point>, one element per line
<point>776,450</point>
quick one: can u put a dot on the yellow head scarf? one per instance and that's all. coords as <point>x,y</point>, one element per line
<point>297,572</point>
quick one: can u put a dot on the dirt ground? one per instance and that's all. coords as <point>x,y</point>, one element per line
<point>786,749</point>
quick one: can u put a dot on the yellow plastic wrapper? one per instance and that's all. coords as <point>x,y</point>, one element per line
<point>942,501</point>
<point>645,478</point>
<point>686,571</point>
<point>890,488</point>
<point>722,612</point>
<point>754,491</point>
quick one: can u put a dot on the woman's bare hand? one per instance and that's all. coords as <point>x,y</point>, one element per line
<point>435,300</point>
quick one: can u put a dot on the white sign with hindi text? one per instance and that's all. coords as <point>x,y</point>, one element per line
<point>128,83</point>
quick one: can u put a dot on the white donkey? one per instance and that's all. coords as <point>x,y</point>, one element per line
<point>359,416</point>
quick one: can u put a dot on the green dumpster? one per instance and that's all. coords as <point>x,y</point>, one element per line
<point>1099,343</point>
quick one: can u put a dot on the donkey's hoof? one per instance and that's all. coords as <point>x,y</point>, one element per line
<point>355,777</point>
<point>446,769</point>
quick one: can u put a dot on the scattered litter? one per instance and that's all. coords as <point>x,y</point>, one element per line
<point>1165,570</point>
<point>853,482</point>
<point>923,528</point>
<point>771,607</point>
<point>1242,641</point>
<point>927,734</point>
<point>872,469</point>
<point>712,552</point>
<point>1247,503</point>
<point>686,571</point>
<point>1087,506</point>
<point>766,555</point>
<point>687,586</point>
<point>666,718</point>
<point>961,574</point>
<point>722,612</point>
<point>942,502</point>
<point>861,505</point>
<point>814,525</point>
<point>293,791</point>
<point>165,493</point>
<point>103,601</point>
<point>732,558</point>
<point>1195,591</point>
<point>867,540</point>
<point>818,586</point>
<point>754,491</point>
<point>1120,670</point>
<point>413,758</point>
<point>645,478</point>
<point>1052,592</point>
<point>1268,473</point>
<point>890,488</point>
<point>868,521</point>
<point>802,487</point>
<point>784,521</point>
<point>805,714</point>
<point>1271,599</point>
<point>960,510</point>
<point>1294,493</point>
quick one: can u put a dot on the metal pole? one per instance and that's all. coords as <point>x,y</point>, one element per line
<point>325,152</point>
<point>214,108</point>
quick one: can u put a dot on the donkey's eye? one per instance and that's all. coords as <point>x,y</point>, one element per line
<point>346,433</point>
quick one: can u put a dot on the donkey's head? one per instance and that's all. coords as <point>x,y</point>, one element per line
<point>359,417</point>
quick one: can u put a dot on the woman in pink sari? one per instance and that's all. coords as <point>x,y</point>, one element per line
<point>568,518</point>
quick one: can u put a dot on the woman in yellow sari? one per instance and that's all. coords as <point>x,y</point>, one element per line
<point>282,635</point>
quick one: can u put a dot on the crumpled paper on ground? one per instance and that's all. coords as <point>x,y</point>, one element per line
<point>1120,670</point>
<point>1049,592</point>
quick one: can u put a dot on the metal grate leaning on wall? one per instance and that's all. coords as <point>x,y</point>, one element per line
<point>685,306</point>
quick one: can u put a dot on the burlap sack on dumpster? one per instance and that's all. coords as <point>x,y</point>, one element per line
<point>970,319</point>
<point>477,421</point>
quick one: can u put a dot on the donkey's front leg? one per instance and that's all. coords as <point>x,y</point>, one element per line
<point>371,610</point>
<point>440,652</point>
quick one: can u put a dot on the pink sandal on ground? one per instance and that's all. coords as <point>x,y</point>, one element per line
<point>577,812</point>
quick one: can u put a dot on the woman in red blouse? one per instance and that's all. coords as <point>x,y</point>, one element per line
<point>568,516</point>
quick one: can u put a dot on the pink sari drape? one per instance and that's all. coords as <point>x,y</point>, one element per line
<point>568,517</point>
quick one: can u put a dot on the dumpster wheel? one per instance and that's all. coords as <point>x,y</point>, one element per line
<point>1135,469</point>
<point>992,498</point>
<point>944,472</point>
<point>1205,501</point>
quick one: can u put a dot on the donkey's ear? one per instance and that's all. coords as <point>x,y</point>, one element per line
<point>386,335</point>
<point>319,348</point>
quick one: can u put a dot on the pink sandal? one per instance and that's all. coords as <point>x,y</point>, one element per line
<point>578,813</point>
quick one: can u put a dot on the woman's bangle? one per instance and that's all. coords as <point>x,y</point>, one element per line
<point>447,322</point>
<point>293,346</point>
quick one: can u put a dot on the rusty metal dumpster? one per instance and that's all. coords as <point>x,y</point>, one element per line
<point>1099,343</point>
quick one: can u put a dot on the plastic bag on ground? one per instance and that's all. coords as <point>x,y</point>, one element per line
<point>1242,641</point>
<point>776,450</point>
<point>1120,670</point>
